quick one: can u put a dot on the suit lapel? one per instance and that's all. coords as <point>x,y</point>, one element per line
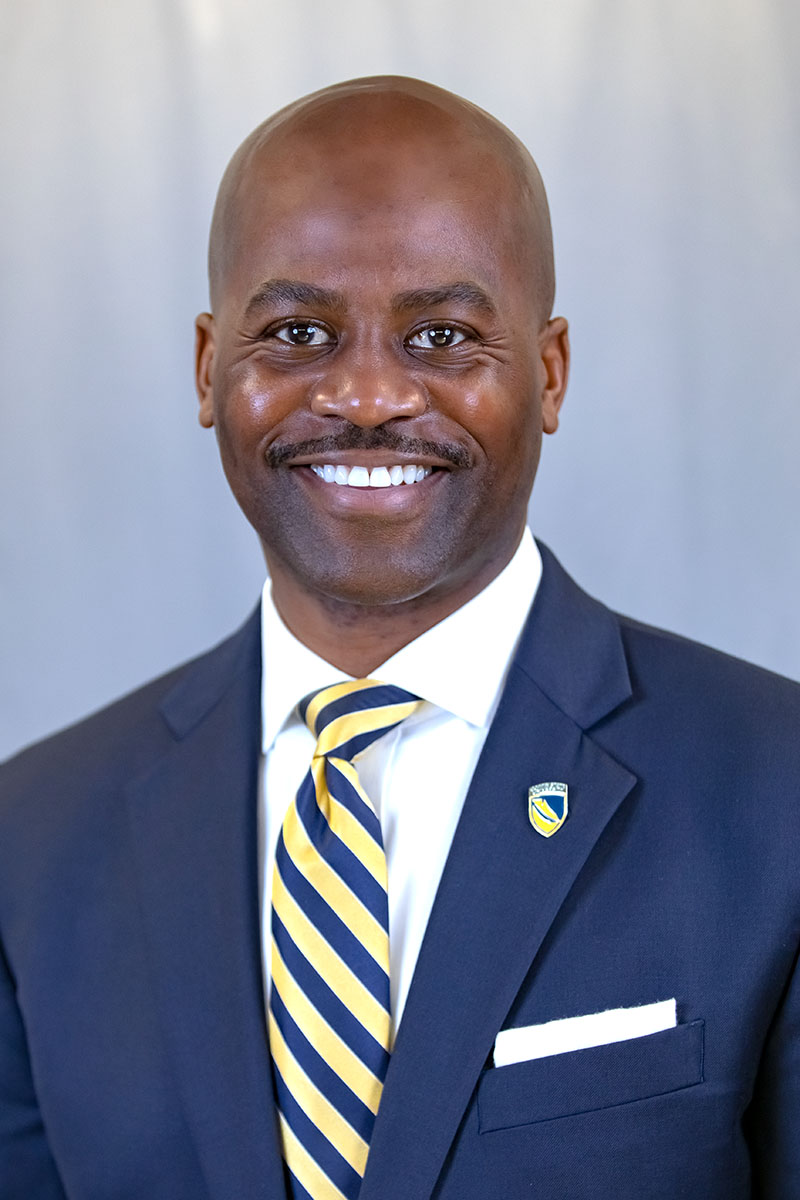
<point>503,884</point>
<point>193,818</point>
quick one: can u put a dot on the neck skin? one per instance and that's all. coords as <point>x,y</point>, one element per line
<point>357,638</point>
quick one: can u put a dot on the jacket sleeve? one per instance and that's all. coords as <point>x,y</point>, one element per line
<point>774,1115</point>
<point>27,1169</point>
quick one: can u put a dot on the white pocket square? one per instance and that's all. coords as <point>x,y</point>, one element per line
<point>580,1033</point>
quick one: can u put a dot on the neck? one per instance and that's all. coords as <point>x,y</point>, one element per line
<point>357,637</point>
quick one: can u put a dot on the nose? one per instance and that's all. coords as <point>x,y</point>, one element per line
<point>368,392</point>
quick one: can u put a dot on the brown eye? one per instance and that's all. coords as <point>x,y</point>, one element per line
<point>436,337</point>
<point>302,333</point>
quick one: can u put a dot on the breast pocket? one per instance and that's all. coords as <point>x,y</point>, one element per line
<point>585,1080</point>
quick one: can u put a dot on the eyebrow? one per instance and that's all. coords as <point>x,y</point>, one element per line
<point>450,293</point>
<point>292,291</point>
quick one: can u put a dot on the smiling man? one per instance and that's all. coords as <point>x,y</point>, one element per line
<point>528,924</point>
<point>374,313</point>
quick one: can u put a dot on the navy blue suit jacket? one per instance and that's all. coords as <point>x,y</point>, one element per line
<point>133,1054</point>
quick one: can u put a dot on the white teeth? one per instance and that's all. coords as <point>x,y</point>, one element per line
<point>378,477</point>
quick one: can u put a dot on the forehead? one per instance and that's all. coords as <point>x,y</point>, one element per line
<point>381,204</point>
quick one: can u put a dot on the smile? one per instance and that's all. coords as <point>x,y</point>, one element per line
<point>378,477</point>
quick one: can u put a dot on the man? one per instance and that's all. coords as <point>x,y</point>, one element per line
<point>584,821</point>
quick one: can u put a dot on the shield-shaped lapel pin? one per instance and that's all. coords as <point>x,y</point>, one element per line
<point>547,807</point>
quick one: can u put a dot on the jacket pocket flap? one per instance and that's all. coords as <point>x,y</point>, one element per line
<point>583,1080</point>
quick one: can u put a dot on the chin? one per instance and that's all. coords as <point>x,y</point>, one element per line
<point>369,577</point>
<point>373,590</point>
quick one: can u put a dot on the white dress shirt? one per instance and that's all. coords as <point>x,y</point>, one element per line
<point>417,776</point>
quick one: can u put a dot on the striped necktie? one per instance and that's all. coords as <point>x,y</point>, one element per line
<point>329,1020</point>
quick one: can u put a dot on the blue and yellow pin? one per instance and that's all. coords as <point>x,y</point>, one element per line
<point>547,807</point>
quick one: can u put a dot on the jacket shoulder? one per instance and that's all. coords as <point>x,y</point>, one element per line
<point>664,689</point>
<point>694,669</point>
<point>121,738</point>
<point>703,719</point>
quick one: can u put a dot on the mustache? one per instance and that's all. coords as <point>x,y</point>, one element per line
<point>379,438</point>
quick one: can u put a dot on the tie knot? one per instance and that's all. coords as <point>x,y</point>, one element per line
<point>348,717</point>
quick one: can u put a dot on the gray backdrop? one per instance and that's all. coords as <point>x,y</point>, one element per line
<point>667,132</point>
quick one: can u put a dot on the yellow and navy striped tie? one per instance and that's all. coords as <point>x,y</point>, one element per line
<point>329,1020</point>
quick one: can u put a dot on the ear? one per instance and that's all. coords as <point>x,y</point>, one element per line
<point>554,353</point>
<point>203,367</point>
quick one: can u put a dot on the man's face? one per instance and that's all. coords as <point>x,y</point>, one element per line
<point>376,322</point>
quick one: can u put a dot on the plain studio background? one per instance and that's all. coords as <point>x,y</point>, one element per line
<point>667,133</point>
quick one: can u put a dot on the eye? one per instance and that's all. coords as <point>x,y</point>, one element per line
<point>302,333</point>
<point>436,337</point>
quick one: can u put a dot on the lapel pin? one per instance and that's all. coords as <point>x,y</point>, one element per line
<point>547,807</point>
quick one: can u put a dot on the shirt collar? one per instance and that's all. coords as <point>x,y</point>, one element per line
<point>459,665</point>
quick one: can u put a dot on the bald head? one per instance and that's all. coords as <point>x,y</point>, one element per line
<point>381,280</point>
<point>372,133</point>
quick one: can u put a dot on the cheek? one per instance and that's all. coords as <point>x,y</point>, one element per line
<point>506,424</point>
<point>247,409</point>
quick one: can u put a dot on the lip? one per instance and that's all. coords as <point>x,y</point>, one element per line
<point>401,502</point>
<point>370,459</point>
